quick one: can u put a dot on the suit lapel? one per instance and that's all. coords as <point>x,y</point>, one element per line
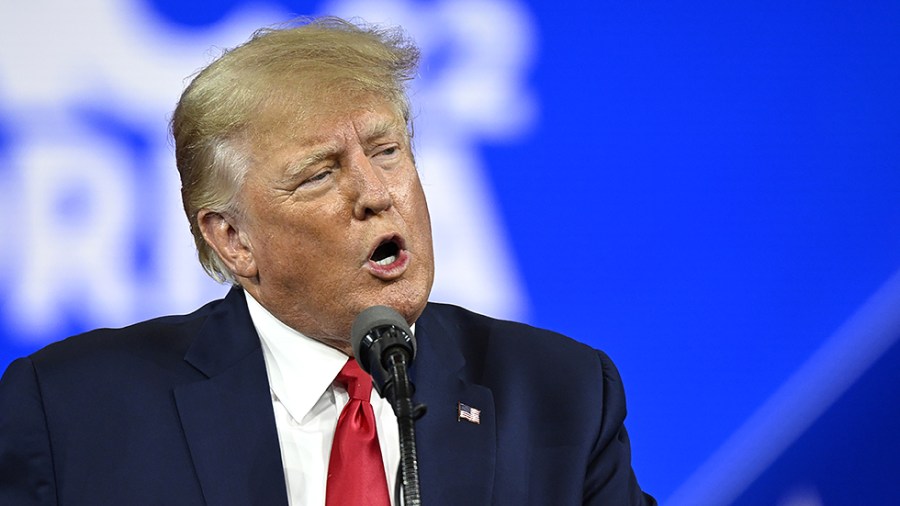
<point>230,426</point>
<point>456,457</point>
<point>227,417</point>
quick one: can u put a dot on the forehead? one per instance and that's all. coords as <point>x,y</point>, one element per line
<point>324,117</point>
<point>288,138</point>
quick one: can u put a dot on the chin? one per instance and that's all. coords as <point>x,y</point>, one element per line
<point>410,302</point>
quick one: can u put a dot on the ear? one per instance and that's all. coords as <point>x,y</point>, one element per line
<point>222,234</point>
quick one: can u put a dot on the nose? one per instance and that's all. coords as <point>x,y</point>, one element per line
<point>371,194</point>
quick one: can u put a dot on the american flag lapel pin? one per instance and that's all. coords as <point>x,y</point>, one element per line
<point>468,413</point>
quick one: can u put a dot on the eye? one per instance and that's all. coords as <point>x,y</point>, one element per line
<point>388,151</point>
<point>317,177</point>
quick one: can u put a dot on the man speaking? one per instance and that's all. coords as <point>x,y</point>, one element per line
<point>301,189</point>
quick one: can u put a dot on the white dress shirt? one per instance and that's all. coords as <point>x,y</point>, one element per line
<point>307,405</point>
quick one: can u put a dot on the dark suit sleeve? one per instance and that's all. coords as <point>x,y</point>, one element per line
<point>26,466</point>
<point>610,478</point>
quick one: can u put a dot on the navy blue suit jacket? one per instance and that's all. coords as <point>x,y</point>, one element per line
<point>177,411</point>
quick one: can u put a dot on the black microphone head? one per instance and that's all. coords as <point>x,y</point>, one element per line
<point>380,327</point>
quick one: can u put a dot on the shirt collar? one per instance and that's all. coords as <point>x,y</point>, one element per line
<point>300,369</point>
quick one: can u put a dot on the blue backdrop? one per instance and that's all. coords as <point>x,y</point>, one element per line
<point>708,191</point>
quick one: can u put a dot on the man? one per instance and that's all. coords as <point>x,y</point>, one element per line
<point>300,187</point>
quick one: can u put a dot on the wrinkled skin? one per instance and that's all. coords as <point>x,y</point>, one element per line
<point>323,192</point>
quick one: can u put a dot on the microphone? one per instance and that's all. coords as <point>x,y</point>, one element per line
<point>380,337</point>
<point>384,346</point>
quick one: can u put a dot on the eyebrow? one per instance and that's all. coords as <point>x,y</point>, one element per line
<point>377,129</point>
<point>382,127</point>
<point>295,167</point>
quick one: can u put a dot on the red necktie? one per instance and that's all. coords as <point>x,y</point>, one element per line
<point>355,471</point>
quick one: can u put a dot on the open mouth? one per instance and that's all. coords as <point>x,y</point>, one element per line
<point>387,252</point>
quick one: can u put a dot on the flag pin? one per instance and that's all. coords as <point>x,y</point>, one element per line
<point>468,413</point>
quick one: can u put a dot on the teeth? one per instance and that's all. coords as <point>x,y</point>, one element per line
<point>387,261</point>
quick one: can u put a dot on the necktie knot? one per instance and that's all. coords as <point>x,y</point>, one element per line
<point>357,382</point>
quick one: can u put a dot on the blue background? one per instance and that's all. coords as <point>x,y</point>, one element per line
<point>710,191</point>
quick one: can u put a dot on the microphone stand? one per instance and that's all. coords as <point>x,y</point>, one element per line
<point>399,391</point>
<point>384,346</point>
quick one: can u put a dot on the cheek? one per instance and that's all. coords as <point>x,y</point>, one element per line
<point>420,208</point>
<point>283,247</point>
<point>418,217</point>
<point>414,195</point>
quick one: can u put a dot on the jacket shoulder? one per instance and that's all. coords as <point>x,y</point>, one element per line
<point>515,357</point>
<point>478,335</point>
<point>161,338</point>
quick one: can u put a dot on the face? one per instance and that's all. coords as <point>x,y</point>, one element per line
<point>335,221</point>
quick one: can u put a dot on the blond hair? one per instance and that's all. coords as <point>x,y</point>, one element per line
<point>277,68</point>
